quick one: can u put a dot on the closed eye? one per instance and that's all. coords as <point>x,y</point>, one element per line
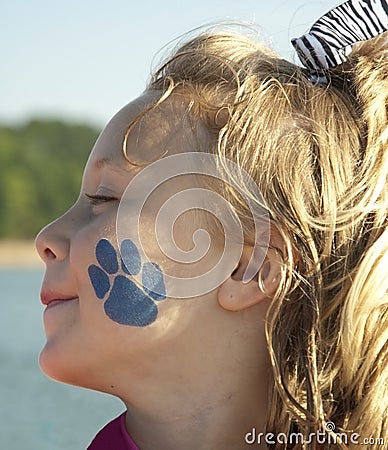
<point>99,199</point>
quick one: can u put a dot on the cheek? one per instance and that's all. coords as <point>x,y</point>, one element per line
<point>129,289</point>
<point>188,252</point>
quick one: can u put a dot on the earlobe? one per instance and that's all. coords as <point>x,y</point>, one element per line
<point>235,295</point>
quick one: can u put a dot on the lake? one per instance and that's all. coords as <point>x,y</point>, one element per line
<point>35,412</point>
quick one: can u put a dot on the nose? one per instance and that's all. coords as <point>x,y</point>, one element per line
<point>52,243</point>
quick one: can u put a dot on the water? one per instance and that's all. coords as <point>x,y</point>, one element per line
<point>35,412</point>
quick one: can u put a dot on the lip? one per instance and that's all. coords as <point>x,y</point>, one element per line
<point>55,303</point>
<point>50,298</point>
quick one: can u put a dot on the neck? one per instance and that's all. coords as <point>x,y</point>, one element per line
<point>195,417</point>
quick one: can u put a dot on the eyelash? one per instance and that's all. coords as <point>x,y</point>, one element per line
<point>99,199</point>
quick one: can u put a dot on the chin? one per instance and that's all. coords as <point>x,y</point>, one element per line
<point>56,366</point>
<point>68,367</point>
<point>60,366</point>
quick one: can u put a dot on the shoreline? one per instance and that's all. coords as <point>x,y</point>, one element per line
<point>17,253</point>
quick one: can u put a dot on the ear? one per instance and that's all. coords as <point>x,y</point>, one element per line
<point>235,294</point>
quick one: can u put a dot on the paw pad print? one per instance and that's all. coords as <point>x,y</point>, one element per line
<point>126,303</point>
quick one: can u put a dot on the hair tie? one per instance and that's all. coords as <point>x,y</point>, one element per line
<point>329,41</point>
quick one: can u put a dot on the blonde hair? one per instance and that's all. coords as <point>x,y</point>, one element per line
<point>319,157</point>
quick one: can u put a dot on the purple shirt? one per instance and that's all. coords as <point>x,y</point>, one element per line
<point>113,436</point>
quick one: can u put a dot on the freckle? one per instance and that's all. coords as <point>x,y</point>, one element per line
<point>112,386</point>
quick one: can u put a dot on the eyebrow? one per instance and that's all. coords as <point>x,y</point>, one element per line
<point>104,162</point>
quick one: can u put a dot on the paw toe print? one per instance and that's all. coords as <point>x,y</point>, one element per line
<point>127,303</point>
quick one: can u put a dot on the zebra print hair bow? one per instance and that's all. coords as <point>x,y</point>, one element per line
<point>329,41</point>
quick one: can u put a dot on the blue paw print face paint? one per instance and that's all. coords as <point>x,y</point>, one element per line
<point>126,303</point>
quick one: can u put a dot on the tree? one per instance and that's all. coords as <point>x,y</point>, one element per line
<point>41,165</point>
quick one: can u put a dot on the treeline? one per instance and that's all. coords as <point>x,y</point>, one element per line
<point>41,165</point>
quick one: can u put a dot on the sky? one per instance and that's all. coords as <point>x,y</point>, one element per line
<point>82,60</point>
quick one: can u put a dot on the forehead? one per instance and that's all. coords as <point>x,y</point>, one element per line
<point>146,132</point>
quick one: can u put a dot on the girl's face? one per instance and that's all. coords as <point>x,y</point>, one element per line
<point>108,307</point>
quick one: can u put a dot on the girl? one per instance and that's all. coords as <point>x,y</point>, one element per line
<point>291,354</point>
